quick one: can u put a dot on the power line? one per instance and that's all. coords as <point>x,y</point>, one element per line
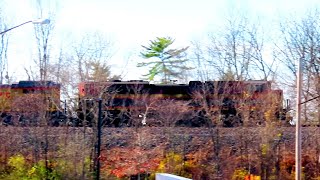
<point>310,99</point>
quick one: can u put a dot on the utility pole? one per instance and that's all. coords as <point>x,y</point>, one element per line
<point>298,122</point>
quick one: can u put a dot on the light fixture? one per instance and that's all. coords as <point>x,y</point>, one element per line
<point>37,21</point>
<point>41,21</point>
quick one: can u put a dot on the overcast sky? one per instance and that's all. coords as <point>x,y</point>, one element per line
<point>131,23</point>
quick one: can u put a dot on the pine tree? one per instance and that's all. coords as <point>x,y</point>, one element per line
<point>165,62</point>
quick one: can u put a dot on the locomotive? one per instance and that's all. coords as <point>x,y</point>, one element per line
<point>26,102</point>
<point>196,104</point>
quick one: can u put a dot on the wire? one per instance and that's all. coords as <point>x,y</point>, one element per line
<point>310,99</point>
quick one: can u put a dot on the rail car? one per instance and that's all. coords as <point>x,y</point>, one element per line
<point>26,102</point>
<point>229,103</point>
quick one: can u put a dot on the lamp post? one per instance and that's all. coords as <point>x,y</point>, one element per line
<point>37,21</point>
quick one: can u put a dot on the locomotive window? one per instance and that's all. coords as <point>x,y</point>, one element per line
<point>25,91</point>
<point>259,88</point>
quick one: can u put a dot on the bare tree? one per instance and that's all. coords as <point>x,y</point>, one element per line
<point>199,58</point>
<point>300,41</point>
<point>79,61</point>
<point>4,39</point>
<point>88,62</point>
<point>43,34</point>
<point>237,52</point>
<point>92,52</point>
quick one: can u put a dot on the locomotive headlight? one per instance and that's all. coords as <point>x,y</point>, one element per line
<point>143,121</point>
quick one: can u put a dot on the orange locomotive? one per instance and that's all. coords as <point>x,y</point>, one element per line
<point>26,102</point>
<point>231,103</point>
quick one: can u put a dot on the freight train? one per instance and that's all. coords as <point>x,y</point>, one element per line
<point>196,104</point>
<point>137,102</point>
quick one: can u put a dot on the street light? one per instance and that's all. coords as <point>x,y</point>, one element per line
<point>37,21</point>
